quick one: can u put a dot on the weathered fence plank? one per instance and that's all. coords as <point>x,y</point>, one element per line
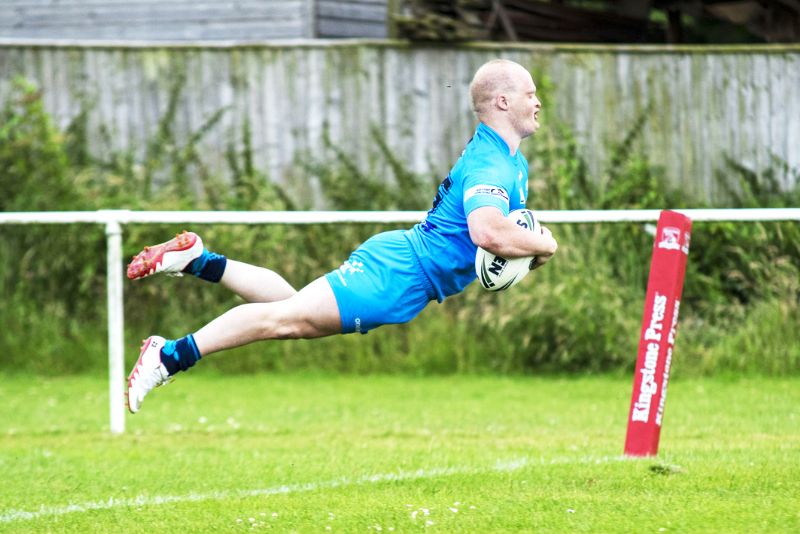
<point>157,19</point>
<point>700,105</point>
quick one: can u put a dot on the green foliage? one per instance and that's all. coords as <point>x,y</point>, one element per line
<point>34,170</point>
<point>35,175</point>
<point>52,278</point>
<point>581,313</point>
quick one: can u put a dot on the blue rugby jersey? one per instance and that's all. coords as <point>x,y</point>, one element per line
<point>485,175</point>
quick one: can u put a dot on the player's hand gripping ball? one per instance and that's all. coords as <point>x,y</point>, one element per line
<point>496,273</point>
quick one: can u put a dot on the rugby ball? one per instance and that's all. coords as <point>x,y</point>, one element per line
<point>498,274</point>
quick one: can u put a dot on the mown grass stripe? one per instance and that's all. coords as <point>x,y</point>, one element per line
<point>501,466</point>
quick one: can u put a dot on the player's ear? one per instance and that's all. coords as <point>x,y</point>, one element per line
<point>501,101</point>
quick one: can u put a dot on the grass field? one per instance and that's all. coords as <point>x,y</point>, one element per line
<point>397,454</point>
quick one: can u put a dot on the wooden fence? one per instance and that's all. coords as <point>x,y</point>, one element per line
<point>700,105</point>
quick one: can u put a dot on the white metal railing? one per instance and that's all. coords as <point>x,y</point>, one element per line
<point>115,219</point>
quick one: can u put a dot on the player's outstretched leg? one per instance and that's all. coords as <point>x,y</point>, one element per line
<point>185,254</point>
<point>311,312</point>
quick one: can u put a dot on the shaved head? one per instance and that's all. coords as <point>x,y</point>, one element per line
<point>499,76</point>
<point>504,99</point>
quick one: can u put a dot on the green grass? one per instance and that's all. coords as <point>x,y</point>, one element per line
<point>480,454</point>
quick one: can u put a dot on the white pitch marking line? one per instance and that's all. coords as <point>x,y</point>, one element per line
<point>502,466</point>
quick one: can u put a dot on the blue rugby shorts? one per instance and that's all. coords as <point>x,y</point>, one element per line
<point>381,283</point>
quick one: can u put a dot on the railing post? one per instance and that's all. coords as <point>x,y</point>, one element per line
<point>116,331</point>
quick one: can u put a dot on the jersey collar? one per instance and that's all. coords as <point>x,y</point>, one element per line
<point>495,138</point>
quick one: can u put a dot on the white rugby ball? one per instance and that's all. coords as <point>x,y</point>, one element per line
<point>496,273</point>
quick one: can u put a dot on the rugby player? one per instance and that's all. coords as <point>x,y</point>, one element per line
<point>392,276</point>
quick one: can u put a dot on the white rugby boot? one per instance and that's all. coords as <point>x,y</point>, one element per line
<point>170,257</point>
<point>148,373</point>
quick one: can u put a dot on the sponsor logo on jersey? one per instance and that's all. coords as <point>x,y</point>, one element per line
<point>349,267</point>
<point>486,190</point>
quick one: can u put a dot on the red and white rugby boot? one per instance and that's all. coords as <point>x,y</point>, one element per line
<point>170,257</point>
<point>147,374</point>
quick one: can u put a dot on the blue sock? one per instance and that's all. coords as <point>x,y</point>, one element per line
<point>209,266</point>
<point>180,354</point>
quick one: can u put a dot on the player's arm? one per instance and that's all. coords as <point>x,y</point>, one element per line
<point>492,231</point>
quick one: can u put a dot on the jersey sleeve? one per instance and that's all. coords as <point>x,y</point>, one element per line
<point>483,187</point>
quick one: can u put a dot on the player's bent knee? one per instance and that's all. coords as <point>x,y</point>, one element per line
<point>295,329</point>
<point>310,313</point>
<point>289,331</point>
